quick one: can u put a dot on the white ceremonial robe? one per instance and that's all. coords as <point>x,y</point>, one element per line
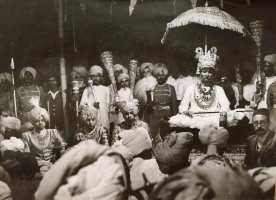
<point>269,81</point>
<point>220,104</point>
<point>103,97</point>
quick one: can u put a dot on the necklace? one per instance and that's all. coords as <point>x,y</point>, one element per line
<point>41,138</point>
<point>203,97</point>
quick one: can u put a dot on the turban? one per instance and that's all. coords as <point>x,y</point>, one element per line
<point>130,106</point>
<point>213,136</point>
<point>84,164</point>
<point>142,86</point>
<point>262,111</point>
<point>11,123</point>
<point>5,192</point>
<point>27,69</point>
<point>137,140</point>
<point>117,67</point>
<point>270,58</point>
<point>265,178</point>
<point>144,65</point>
<point>174,151</point>
<point>94,70</point>
<point>206,182</point>
<point>13,144</point>
<point>122,76</point>
<point>148,168</point>
<point>35,114</point>
<point>160,67</point>
<point>87,111</point>
<point>6,76</point>
<point>121,149</point>
<point>78,70</point>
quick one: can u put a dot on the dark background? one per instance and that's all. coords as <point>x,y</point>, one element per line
<point>29,33</point>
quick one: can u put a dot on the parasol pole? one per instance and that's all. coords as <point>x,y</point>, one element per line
<point>205,43</point>
<point>62,67</point>
<point>14,96</point>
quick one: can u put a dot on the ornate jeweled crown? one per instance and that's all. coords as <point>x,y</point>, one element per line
<point>207,58</point>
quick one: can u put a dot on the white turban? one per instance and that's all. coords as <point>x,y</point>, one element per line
<point>36,112</point>
<point>11,123</point>
<point>270,58</point>
<point>122,76</point>
<point>125,152</point>
<point>6,76</point>
<point>145,84</point>
<point>13,144</point>
<point>27,69</point>
<point>160,67</point>
<point>78,70</point>
<point>136,140</point>
<point>130,106</point>
<point>117,67</point>
<point>95,70</point>
<point>144,65</point>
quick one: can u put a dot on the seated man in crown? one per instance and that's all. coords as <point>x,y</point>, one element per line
<point>205,103</point>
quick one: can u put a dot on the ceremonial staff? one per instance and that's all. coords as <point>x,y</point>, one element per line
<point>14,96</point>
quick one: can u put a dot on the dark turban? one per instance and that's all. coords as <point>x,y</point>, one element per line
<point>173,154</point>
<point>206,182</point>
<point>262,111</point>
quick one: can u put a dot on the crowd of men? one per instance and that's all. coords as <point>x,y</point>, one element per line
<point>125,143</point>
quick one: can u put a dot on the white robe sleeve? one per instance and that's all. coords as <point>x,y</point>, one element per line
<point>222,99</point>
<point>185,103</point>
<point>108,96</point>
<point>84,98</point>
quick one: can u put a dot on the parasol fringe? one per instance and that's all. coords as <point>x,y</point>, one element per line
<point>202,20</point>
<point>165,35</point>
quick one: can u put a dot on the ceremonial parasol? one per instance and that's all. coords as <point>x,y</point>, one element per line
<point>209,16</point>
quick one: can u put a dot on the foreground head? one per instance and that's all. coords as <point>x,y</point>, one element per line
<point>173,153</point>
<point>27,75</point>
<point>123,80</point>
<point>206,182</point>
<point>146,69</point>
<point>96,74</point>
<point>260,121</point>
<point>38,117</point>
<point>88,116</point>
<point>270,65</point>
<point>137,141</point>
<point>160,71</point>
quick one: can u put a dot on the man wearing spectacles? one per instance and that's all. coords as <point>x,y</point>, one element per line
<point>260,149</point>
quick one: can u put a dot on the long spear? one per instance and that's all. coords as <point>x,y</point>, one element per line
<point>14,96</point>
<point>62,67</point>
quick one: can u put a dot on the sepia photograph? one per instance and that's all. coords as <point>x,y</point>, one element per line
<point>138,99</point>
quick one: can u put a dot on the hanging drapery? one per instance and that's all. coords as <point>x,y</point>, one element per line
<point>131,6</point>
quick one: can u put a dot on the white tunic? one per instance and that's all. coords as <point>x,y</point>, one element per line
<point>269,81</point>
<point>220,103</point>
<point>103,97</point>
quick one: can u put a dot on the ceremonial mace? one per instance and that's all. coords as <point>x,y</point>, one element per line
<point>257,29</point>
<point>132,76</point>
<point>107,60</point>
<point>14,96</point>
<point>75,87</point>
